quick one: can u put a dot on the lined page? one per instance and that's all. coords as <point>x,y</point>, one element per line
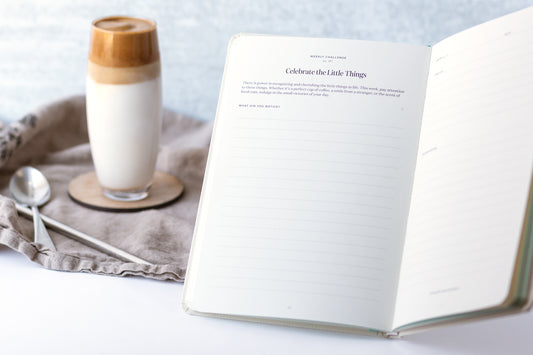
<point>308,181</point>
<point>473,173</point>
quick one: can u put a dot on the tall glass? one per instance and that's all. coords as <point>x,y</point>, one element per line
<point>124,105</point>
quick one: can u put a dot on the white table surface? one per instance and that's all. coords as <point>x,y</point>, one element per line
<point>51,312</point>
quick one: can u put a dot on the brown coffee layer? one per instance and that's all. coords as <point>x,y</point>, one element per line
<point>123,42</point>
<point>127,75</point>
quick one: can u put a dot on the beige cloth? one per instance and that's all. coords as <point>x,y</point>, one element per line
<point>54,139</point>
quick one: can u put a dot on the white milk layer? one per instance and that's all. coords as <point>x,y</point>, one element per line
<point>124,124</point>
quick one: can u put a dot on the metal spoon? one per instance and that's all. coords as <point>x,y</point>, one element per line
<point>29,187</point>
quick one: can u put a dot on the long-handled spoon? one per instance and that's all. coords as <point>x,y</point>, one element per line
<point>29,187</point>
<point>83,238</point>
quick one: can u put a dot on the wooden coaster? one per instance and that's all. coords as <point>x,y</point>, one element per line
<point>86,191</point>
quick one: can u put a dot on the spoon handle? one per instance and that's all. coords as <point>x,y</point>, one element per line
<point>84,238</point>
<point>40,234</point>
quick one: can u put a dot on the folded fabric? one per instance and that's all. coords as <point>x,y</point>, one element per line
<point>54,139</point>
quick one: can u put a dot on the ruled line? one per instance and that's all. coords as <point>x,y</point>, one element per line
<point>328,201</point>
<point>321,181</point>
<point>302,240</point>
<point>325,131</point>
<point>303,230</point>
<point>312,262</point>
<point>240,217</point>
<point>247,147</point>
<point>315,191</point>
<point>335,172</point>
<point>307,160</point>
<point>309,140</point>
<point>306,120</point>
<point>306,210</point>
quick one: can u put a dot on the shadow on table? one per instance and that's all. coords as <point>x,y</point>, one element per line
<point>505,335</point>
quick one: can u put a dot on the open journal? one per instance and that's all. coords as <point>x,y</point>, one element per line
<point>369,187</point>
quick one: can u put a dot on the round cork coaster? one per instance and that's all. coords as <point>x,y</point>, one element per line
<point>86,191</point>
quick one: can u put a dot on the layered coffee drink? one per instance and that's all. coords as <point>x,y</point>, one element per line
<point>124,105</point>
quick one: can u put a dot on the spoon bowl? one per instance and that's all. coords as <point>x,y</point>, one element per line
<point>29,187</point>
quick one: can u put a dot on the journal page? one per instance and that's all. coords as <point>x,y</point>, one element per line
<point>473,172</point>
<point>308,182</point>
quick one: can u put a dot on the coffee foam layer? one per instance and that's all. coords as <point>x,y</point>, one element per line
<point>127,75</point>
<point>124,24</point>
<point>123,42</point>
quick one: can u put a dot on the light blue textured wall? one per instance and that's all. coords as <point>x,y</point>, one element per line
<point>43,44</point>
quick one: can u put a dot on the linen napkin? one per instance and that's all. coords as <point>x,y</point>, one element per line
<point>54,139</point>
